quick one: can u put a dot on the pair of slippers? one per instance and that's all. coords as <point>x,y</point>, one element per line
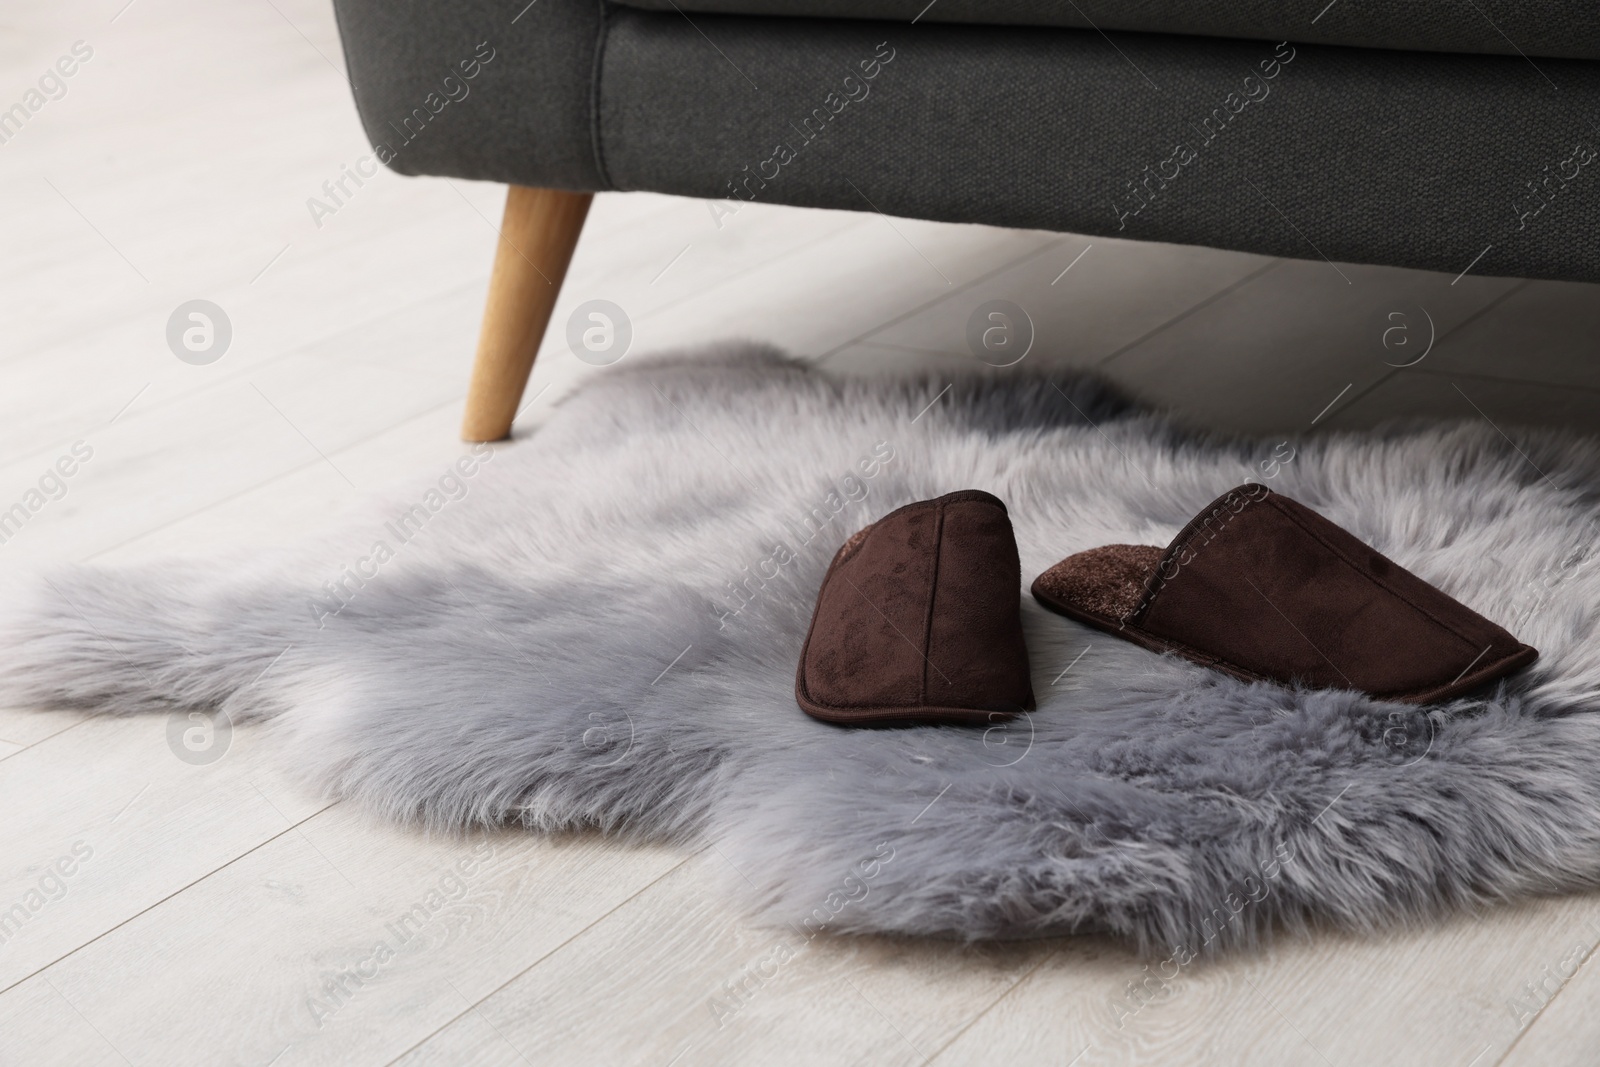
<point>918,619</point>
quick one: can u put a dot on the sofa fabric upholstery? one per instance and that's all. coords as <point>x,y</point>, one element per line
<point>524,118</point>
<point>1548,28</point>
<point>1418,159</point>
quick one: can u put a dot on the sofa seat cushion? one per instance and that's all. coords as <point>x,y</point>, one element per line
<point>1553,28</point>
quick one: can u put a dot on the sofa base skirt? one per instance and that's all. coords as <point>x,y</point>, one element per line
<point>1427,160</point>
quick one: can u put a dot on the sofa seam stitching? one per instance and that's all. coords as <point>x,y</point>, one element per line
<point>596,140</point>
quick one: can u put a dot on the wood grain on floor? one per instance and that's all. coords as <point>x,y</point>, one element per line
<point>221,913</point>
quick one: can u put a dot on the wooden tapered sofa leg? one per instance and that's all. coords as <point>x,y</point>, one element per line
<point>537,236</point>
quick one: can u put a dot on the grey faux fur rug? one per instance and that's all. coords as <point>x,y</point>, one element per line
<point>598,627</point>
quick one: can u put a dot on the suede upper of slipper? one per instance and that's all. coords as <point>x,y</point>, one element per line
<point>1262,587</point>
<point>918,620</point>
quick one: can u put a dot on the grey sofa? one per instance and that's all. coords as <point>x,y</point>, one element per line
<point>1447,136</point>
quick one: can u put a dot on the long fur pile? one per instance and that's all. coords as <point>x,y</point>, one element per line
<point>561,647</point>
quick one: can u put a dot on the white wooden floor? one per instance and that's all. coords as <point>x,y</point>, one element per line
<point>217,914</point>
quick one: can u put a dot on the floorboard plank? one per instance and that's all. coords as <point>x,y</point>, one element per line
<point>1430,996</point>
<point>685,975</point>
<point>218,901</point>
<point>340,942</point>
<point>103,821</point>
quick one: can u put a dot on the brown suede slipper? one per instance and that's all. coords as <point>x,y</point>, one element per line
<point>1264,588</point>
<point>919,620</point>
